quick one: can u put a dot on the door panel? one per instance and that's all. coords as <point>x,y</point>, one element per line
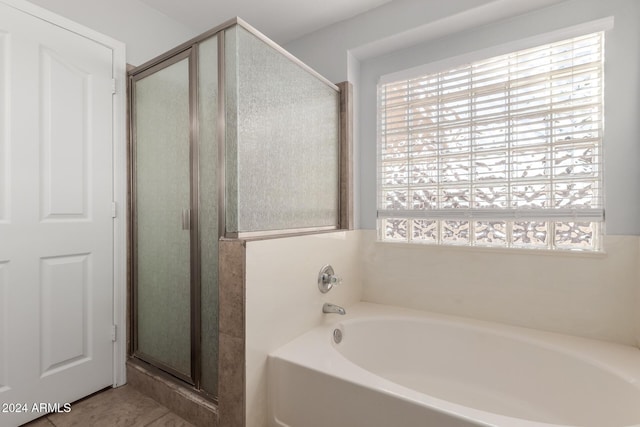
<point>56,231</point>
<point>66,137</point>
<point>64,338</point>
<point>162,197</point>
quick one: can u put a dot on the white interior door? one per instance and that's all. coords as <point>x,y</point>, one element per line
<point>56,231</point>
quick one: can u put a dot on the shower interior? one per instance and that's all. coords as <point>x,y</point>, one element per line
<point>232,138</point>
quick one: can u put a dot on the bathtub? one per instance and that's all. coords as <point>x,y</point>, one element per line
<point>402,368</point>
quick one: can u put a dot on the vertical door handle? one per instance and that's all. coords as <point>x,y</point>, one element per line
<point>186,219</point>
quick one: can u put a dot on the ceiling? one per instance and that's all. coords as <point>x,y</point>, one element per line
<point>151,27</point>
<point>282,20</point>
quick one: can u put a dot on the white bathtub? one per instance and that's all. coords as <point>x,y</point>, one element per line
<point>405,368</point>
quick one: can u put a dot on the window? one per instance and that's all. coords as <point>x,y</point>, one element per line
<point>503,152</point>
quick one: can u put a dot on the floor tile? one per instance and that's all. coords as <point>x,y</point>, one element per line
<point>40,422</point>
<point>120,407</point>
<point>170,420</point>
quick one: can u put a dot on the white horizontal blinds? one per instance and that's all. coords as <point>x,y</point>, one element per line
<point>503,147</point>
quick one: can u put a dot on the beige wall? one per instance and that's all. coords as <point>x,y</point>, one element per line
<point>595,296</point>
<point>282,299</point>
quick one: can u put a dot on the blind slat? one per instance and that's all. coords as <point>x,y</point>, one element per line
<point>473,142</point>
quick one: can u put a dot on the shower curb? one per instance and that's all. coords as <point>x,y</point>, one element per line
<point>186,403</point>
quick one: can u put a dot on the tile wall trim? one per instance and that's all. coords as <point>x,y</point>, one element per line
<point>346,156</point>
<point>231,341</point>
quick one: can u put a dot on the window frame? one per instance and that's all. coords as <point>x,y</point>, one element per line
<point>470,214</point>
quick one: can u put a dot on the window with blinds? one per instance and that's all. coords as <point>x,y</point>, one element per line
<point>503,152</point>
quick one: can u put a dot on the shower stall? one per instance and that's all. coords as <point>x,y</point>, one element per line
<point>231,138</point>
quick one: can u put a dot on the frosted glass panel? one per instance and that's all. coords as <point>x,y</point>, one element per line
<point>208,103</point>
<point>162,192</point>
<point>282,163</point>
<point>231,130</point>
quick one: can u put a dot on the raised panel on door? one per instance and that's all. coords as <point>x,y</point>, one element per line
<point>65,312</point>
<point>56,232</point>
<point>66,137</point>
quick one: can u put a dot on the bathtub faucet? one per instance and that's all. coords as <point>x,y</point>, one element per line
<point>332,308</point>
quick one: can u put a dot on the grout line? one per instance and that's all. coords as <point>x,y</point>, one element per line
<point>160,416</point>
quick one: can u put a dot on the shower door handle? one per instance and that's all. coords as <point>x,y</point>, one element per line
<point>186,219</point>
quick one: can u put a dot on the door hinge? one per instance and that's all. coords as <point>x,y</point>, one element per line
<point>114,333</point>
<point>114,209</point>
<point>114,86</point>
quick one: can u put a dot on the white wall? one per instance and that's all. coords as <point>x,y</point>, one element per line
<point>395,45</point>
<point>597,296</point>
<point>282,299</point>
<point>394,25</point>
<point>146,32</point>
<point>622,92</point>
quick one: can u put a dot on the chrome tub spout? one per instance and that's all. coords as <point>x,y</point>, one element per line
<point>332,308</point>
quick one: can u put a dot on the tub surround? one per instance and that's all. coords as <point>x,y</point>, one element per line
<point>593,296</point>
<point>283,300</point>
<point>268,296</point>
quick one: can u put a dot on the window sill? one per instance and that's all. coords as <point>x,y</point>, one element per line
<point>496,250</point>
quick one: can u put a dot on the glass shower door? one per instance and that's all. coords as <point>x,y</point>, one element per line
<point>162,217</point>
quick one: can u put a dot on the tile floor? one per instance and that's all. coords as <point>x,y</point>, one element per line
<point>119,407</point>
